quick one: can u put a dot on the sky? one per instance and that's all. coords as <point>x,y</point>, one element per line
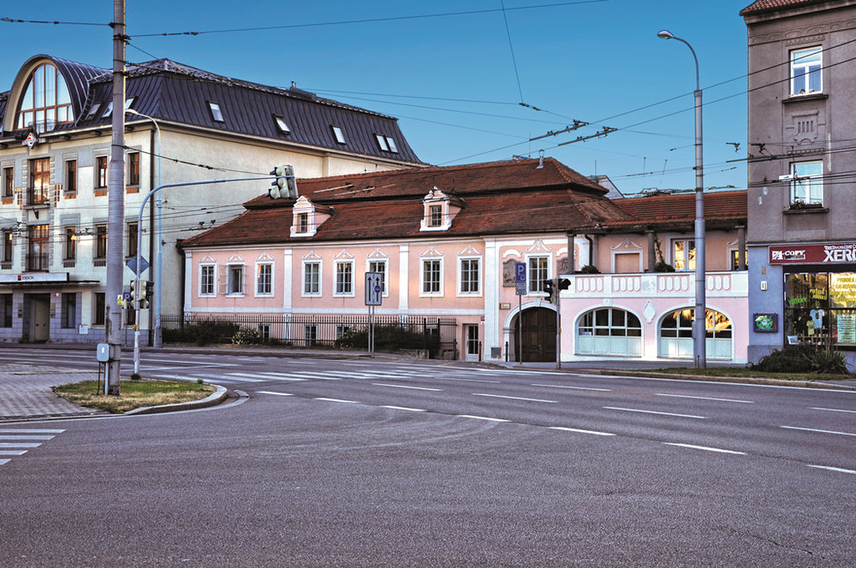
<point>469,80</point>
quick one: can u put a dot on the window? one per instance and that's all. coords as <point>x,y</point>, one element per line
<point>820,308</point>
<point>206,280</point>
<point>310,334</point>
<point>93,111</point>
<point>69,310</point>
<point>432,270</point>
<point>236,280</point>
<point>683,254</point>
<point>8,182</point>
<point>392,147</point>
<point>38,256</point>
<point>342,330</point>
<point>312,278</point>
<point>101,242</point>
<point>280,123</point>
<point>381,142</point>
<point>39,190</point>
<point>46,102</point>
<point>264,279</point>
<point>130,314</point>
<point>435,215</point>
<point>337,133</point>
<point>609,331</point>
<point>264,331</point>
<point>99,316</point>
<point>5,310</point>
<point>70,245</point>
<point>133,234</point>
<point>807,184</point>
<point>108,111</point>
<point>806,71</point>
<point>134,168</point>
<point>344,278</point>
<point>379,266</point>
<point>470,276</point>
<point>735,260</point>
<point>303,222</point>
<point>71,176</point>
<point>7,250</point>
<point>216,113</point>
<point>100,172</point>
<point>538,273</point>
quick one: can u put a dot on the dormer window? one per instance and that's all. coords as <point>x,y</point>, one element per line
<point>303,223</point>
<point>216,113</point>
<point>435,215</point>
<point>306,219</point>
<point>45,102</point>
<point>438,211</point>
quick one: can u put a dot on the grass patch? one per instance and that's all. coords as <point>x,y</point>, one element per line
<point>749,374</point>
<point>133,394</point>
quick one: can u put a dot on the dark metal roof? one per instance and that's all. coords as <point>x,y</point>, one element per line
<point>179,93</point>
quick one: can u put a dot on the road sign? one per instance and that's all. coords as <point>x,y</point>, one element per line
<point>132,264</point>
<point>520,278</point>
<point>374,288</point>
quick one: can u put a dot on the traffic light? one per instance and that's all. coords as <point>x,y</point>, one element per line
<point>564,284</point>
<point>284,186</point>
<point>548,288</point>
<point>145,292</point>
<point>133,290</point>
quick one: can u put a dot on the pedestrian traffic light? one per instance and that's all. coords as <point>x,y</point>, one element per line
<point>284,186</point>
<point>145,292</point>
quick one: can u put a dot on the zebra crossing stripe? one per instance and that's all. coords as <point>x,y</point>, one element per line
<point>4,462</point>
<point>11,445</point>
<point>30,431</point>
<point>12,452</point>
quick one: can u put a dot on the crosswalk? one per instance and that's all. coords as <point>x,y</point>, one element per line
<point>18,441</point>
<point>230,377</point>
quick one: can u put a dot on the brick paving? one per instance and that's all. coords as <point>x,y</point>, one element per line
<point>25,392</point>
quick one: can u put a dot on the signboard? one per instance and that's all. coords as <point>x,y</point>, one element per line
<point>35,277</point>
<point>374,288</point>
<point>132,264</point>
<point>520,278</point>
<point>844,253</point>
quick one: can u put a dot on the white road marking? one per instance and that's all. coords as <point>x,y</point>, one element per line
<point>404,408</point>
<point>4,462</point>
<point>834,410</point>
<point>705,448</point>
<point>654,412</point>
<point>708,398</point>
<point>407,387</point>
<point>248,377</point>
<point>571,388</point>
<point>514,397</point>
<point>467,380</point>
<point>828,468</point>
<point>276,393</point>
<point>337,400</point>
<point>10,445</point>
<point>305,376</point>
<point>818,431</point>
<point>482,418</point>
<point>577,430</point>
<point>22,437</point>
<point>30,431</point>
<point>12,452</point>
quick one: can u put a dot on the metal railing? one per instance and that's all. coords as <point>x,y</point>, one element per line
<point>436,337</point>
<point>38,262</point>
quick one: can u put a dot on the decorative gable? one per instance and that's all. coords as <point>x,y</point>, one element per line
<point>306,218</point>
<point>438,211</point>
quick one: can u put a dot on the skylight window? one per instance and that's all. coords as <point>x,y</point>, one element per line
<point>337,132</point>
<point>392,146</point>
<point>108,111</point>
<point>93,111</point>
<point>129,102</point>
<point>381,142</point>
<point>216,114</point>
<point>280,123</point>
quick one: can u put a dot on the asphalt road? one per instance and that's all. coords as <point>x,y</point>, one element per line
<point>372,463</point>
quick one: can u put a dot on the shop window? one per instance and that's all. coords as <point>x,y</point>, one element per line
<point>609,331</point>
<point>5,310</point>
<point>676,334</point>
<point>820,308</point>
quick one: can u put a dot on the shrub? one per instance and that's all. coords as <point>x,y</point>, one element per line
<point>802,358</point>
<point>391,338</point>
<point>589,269</point>
<point>247,336</point>
<point>202,332</point>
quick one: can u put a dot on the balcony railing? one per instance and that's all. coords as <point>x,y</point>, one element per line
<point>649,284</point>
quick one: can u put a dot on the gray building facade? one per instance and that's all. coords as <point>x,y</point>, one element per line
<point>802,167</point>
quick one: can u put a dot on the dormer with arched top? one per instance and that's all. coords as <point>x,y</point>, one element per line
<point>307,217</point>
<point>438,211</point>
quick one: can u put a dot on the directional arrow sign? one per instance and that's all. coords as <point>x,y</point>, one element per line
<point>374,288</point>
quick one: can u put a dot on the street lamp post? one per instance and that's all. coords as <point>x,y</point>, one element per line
<point>158,337</point>
<point>700,319</point>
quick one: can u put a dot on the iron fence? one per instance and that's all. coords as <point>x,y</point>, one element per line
<point>435,336</point>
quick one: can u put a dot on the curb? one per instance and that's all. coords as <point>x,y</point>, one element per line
<point>736,380</point>
<point>213,399</point>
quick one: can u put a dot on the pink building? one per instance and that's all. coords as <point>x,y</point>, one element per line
<point>447,240</point>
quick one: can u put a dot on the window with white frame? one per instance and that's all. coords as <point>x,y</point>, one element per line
<point>312,278</point>
<point>806,67</point>
<point>207,279</point>
<point>344,278</point>
<point>469,276</point>
<point>683,254</point>
<point>379,266</point>
<point>539,273</point>
<point>264,279</point>
<point>432,276</point>
<point>236,280</point>
<point>216,113</point>
<point>303,222</point>
<point>435,215</point>
<point>807,184</point>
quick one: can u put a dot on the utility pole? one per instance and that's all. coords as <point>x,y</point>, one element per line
<point>116,206</point>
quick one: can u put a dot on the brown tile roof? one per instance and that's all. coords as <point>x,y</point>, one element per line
<point>498,198</point>
<point>770,5</point>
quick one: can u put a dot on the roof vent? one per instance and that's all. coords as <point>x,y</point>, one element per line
<point>655,191</point>
<point>300,93</point>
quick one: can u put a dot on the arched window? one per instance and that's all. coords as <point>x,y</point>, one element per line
<point>676,334</point>
<point>46,102</point>
<point>609,331</point>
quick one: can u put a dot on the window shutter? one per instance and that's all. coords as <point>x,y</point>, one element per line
<point>222,279</point>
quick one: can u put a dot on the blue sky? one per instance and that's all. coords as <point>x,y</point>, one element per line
<point>450,76</point>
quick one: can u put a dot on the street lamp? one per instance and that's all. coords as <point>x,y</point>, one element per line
<point>158,337</point>
<point>700,319</point>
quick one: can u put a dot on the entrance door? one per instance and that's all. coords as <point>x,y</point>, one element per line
<point>472,340</point>
<point>40,317</point>
<point>539,335</point>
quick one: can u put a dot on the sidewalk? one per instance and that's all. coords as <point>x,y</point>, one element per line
<point>25,392</point>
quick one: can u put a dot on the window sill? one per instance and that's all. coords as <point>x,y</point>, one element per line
<point>810,97</point>
<point>803,210</point>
